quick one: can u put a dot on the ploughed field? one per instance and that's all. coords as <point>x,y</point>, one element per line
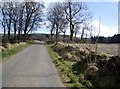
<point>110,49</point>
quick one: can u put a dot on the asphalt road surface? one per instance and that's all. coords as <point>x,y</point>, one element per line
<point>31,67</point>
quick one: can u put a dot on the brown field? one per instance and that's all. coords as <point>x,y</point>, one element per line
<point>110,49</point>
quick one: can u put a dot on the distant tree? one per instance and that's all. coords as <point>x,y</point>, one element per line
<point>63,28</point>
<point>85,27</point>
<point>76,30</point>
<point>51,24</point>
<point>64,33</point>
<point>115,38</point>
<point>102,39</point>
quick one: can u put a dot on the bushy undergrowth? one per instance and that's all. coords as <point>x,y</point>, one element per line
<point>11,49</point>
<point>82,69</point>
<point>65,70</point>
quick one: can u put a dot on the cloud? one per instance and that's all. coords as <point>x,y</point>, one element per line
<point>117,1</point>
<point>104,29</point>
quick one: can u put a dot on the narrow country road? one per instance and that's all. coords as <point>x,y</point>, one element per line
<point>31,67</point>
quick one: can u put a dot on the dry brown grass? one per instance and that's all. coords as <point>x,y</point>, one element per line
<point>2,48</point>
<point>7,45</point>
<point>110,49</point>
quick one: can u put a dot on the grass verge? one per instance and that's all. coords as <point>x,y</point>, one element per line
<point>12,51</point>
<point>65,71</point>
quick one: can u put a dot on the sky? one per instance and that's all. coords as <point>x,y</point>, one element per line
<point>119,17</point>
<point>109,17</point>
<point>107,10</point>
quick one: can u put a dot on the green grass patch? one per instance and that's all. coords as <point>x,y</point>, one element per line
<point>65,70</point>
<point>86,73</point>
<point>12,51</point>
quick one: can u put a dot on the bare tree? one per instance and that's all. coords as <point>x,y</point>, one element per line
<point>56,16</point>
<point>20,19</point>
<point>21,16</point>
<point>76,30</point>
<point>32,16</point>
<point>15,18</point>
<point>8,12</point>
<point>75,13</point>
<point>51,26</point>
<point>63,27</point>
<point>3,20</point>
<point>64,31</point>
<point>85,27</point>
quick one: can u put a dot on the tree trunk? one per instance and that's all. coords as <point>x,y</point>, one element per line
<point>15,31</point>
<point>9,28</point>
<point>26,25</point>
<point>56,33</point>
<point>24,36</point>
<point>20,23</point>
<point>82,34</point>
<point>70,16</point>
<point>71,35</point>
<point>4,32</point>
<point>64,37</point>
<point>75,36</point>
<point>9,33</point>
<point>51,34</point>
<point>19,31</point>
<point>25,30</point>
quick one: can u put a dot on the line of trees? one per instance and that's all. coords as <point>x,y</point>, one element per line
<point>65,15</point>
<point>20,18</point>
<point>102,39</point>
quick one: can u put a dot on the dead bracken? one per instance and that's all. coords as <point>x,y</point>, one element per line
<point>101,72</point>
